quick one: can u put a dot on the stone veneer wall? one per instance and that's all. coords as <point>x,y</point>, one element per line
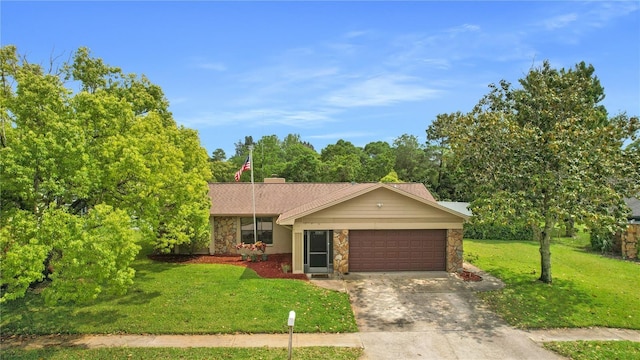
<point>225,230</point>
<point>454,250</point>
<point>627,241</point>
<point>341,251</point>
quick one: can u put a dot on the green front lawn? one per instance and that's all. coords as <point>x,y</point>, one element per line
<point>309,353</point>
<point>596,350</point>
<point>588,289</point>
<point>189,299</point>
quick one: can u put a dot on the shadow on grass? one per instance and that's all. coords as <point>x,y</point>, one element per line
<point>26,320</point>
<point>137,297</point>
<point>17,353</point>
<point>98,318</point>
<point>51,348</point>
<point>527,302</point>
<point>249,274</point>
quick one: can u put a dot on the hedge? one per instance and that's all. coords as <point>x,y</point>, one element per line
<point>498,232</point>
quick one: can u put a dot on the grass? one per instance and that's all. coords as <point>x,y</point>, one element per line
<point>596,350</point>
<point>309,353</point>
<point>588,289</point>
<point>189,299</point>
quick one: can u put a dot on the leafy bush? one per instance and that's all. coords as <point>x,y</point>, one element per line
<point>498,231</point>
<point>601,240</point>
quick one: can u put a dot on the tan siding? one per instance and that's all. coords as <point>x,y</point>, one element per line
<point>393,206</point>
<point>396,212</point>
<point>281,240</point>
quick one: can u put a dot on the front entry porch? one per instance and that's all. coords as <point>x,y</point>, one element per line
<point>318,251</point>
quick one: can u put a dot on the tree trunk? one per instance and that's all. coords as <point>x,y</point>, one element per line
<point>545,252</point>
<point>569,227</point>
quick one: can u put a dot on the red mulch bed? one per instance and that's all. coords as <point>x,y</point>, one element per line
<point>271,268</point>
<point>469,276</point>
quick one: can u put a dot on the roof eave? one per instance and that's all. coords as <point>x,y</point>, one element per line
<point>428,202</point>
<point>291,219</point>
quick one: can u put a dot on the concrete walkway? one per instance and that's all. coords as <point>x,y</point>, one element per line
<point>282,340</point>
<point>590,334</point>
<point>183,341</point>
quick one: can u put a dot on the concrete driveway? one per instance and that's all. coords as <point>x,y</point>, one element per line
<point>432,315</point>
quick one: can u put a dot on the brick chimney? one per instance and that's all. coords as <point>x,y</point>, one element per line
<point>274,180</point>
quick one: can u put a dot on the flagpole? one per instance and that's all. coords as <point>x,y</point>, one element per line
<point>253,196</point>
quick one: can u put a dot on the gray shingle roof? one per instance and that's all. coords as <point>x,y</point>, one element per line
<point>634,205</point>
<point>461,207</point>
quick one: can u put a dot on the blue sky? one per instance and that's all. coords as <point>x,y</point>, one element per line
<point>358,71</point>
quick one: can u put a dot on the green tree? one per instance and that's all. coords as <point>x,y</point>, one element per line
<point>242,148</point>
<point>222,171</point>
<point>446,177</point>
<point>89,174</point>
<point>412,163</point>
<point>378,161</point>
<point>547,151</point>
<point>302,163</point>
<point>268,157</point>
<point>391,177</point>
<point>218,155</point>
<point>342,162</point>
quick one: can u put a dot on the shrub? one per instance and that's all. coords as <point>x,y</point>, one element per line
<point>601,240</point>
<point>498,231</point>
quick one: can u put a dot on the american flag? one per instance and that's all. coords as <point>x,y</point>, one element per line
<point>245,166</point>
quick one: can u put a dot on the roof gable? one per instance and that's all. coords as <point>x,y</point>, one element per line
<point>344,195</point>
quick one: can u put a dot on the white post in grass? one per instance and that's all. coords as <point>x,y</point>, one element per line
<point>292,319</point>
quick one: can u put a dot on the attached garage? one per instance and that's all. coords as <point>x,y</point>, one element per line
<point>342,227</point>
<point>397,250</point>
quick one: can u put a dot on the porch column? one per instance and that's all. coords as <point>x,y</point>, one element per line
<point>297,248</point>
<point>341,251</point>
<point>454,250</point>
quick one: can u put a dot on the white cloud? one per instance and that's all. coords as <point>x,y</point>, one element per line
<point>355,34</point>
<point>282,83</point>
<point>589,15</point>
<point>262,117</point>
<point>560,21</point>
<point>294,118</point>
<point>381,91</point>
<point>451,48</point>
<point>442,64</point>
<point>463,28</point>
<point>200,62</point>
<point>607,11</point>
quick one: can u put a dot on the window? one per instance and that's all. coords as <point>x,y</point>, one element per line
<point>264,226</point>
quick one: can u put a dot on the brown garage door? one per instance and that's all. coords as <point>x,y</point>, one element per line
<point>397,250</point>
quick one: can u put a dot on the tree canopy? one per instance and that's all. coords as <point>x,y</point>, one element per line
<point>89,174</point>
<point>545,152</point>
<point>298,161</point>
